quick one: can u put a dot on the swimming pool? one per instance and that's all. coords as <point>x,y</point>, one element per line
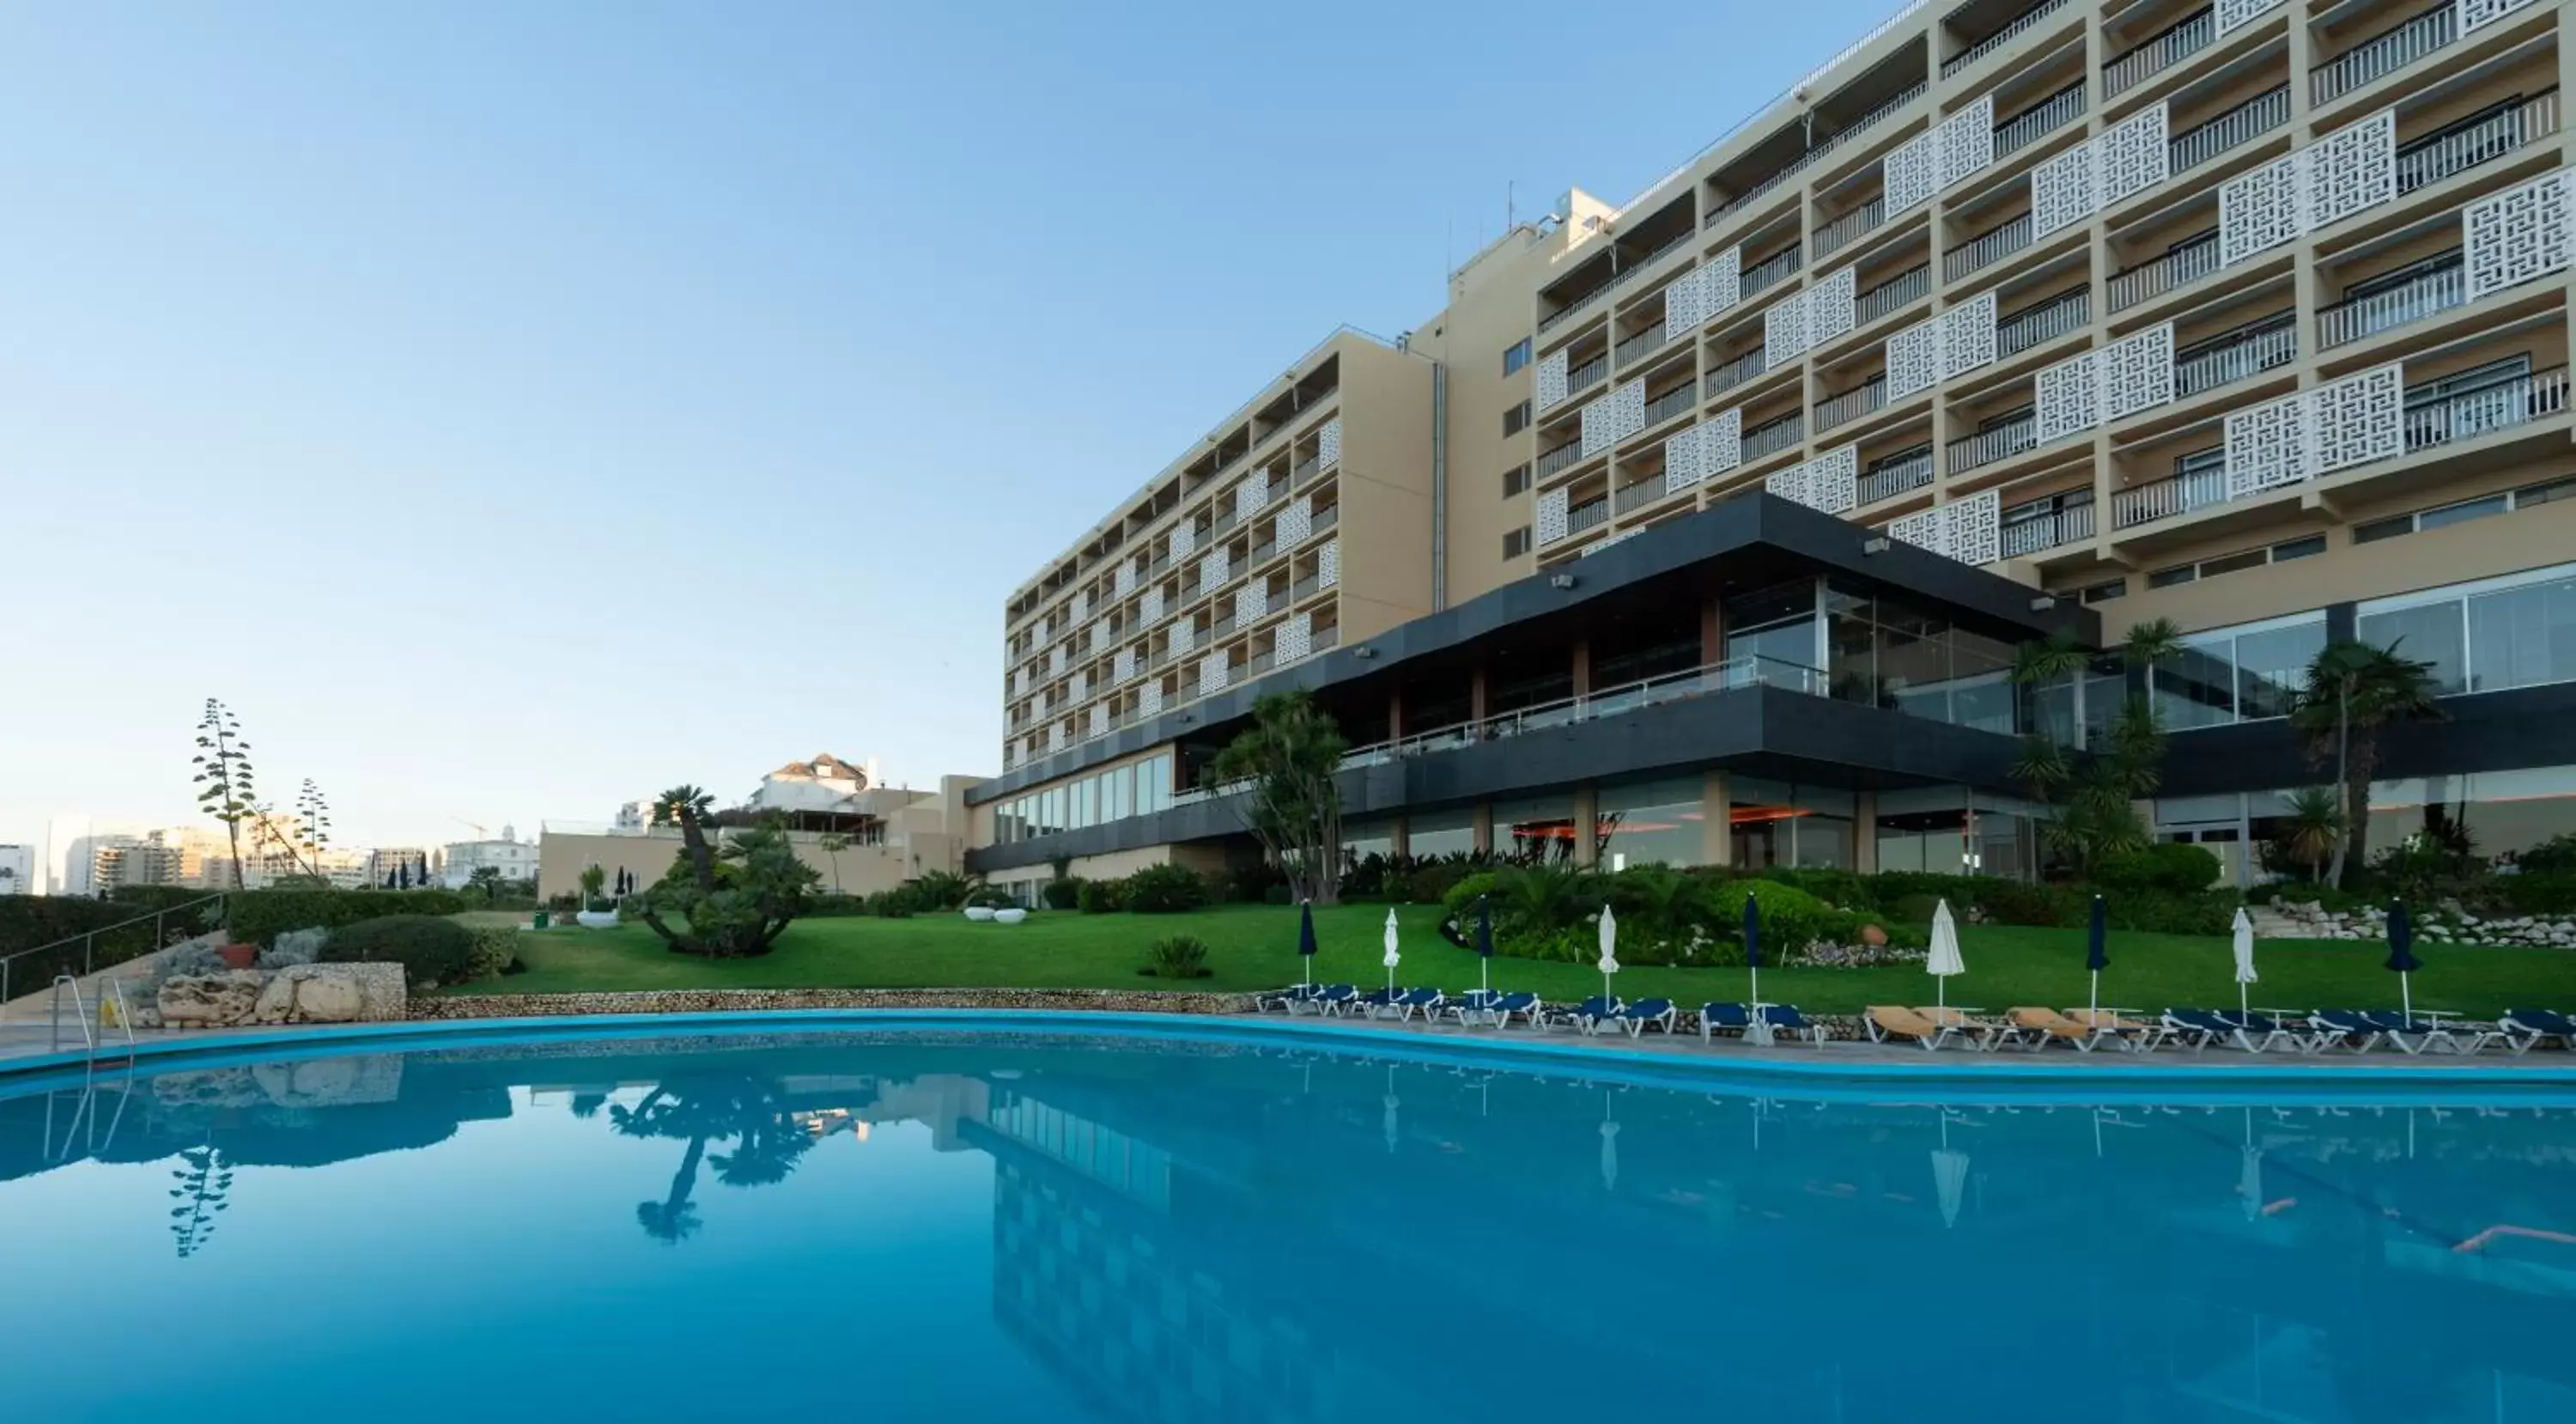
<point>977,1219</point>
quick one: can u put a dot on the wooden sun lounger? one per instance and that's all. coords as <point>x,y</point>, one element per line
<point>2049,1024</point>
<point>2138,1034</point>
<point>1985,1033</point>
<point>1888,1022</point>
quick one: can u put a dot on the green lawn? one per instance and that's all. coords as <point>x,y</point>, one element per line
<point>1254,947</point>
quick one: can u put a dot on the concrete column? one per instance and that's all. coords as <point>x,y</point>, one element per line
<point>1712,631</point>
<point>1394,713</point>
<point>1399,837</point>
<point>1485,827</point>
<point>1587,825</point>
<point>1476,695</point>
<point>1865,833</point>
<point>1717,841</point>
<point>1582,667</point>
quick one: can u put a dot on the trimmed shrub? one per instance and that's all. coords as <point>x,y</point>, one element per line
<point>432,951</point>
<point>1062,893</point>
<point>2551,893</point>
<point>2208,912</point>
<point>1791,918</point>
<point>1833,887</point>
<point>1429,884</point>
<point>890,905</point>
<point>1164,890</point>
<point>1278,895</point>
<point>2167,867</point>
<point>828,906</point>
<point>1177,957</point>
<point>27,921</point>
<point>1916,908</point>
<point>295,947</point>
<point>494,949</point>
<point>2554,856</point>
<point>990,898</point>
<point>1249,884</point>
<point>260,916</point>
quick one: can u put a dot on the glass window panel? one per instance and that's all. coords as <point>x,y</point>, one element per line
<point>1361,839</point>
<point>2198,687</point>
<point>2522,637</point>
<point>1440,833</point>
<point>1652,822</point>
<point>2461,513</point>
<point>1540,827</point>
<point>2431,632</point>
<point>2272,665</point>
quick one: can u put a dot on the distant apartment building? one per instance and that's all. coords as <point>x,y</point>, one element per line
<point>18,871</point>
<point>397,862</point>
<point>1704,528</point>
<point>514,858</point>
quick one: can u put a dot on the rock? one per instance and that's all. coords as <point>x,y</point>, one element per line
<point>303,993</point>
<point>210,1000</point>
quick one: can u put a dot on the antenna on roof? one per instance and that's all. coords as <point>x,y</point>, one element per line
<point>1511,209</point>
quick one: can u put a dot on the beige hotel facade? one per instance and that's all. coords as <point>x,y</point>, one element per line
<point>1702,528</point>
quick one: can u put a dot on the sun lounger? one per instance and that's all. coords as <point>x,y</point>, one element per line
<point>1425,1001</point>
<point>2196,1029</point>
<point>1715,1019</point>
<point>1785,1018</point>
<point>2426,1031</point>
<point>1888,1022</point>
<point>2140,1035</point>
<point>1589,1015</point>
<point>1469,1004</point>
<point>2052,1026</point>
<point>2258,1032</point>
<point>1288,1000</point>
<point>2351,1028</point>
<point>2523,1029</point>
<point>1636,1018</point>
<point>1983,1033</point>
<point>1377,1001</point>
<point>1333,999</point>
<point>1526,1005</point>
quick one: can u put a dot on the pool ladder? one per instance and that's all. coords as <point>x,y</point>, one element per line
<point>85,1115</point>
<point>81,1015</point>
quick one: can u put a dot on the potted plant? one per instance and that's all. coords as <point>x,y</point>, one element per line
<point>239,956</point>
<point>598,912</point>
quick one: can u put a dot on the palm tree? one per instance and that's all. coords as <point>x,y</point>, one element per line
<point>689,809</point>
<point>2353,690</point>
<point>832,843</point>
<point>1289,760</point>
<point>2315,827</point>
<point>2155,641</point>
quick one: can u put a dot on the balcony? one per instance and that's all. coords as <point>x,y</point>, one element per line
<point>1769,272</point>
<point>1852,226</point>
<point>1999,441</point>
<point>2384,54</point>
<point>2045,321</point>
<point>1584,377</point>
<point>1638,495</point>
<point>1640,264</point>
<point>1579,306</point>
<point>1328,636</point>
<point>2067,524</point>
<point>1262,554</point>
<point>2237,127</point>
<point>1804,161</point>
<point>1672,403</point>
<point>1986,248</point>
<point>1895,475</point>
<point>2163,499</point>
<point>1643,343</point>
<point>2020,24</point>
<point>2048,115</point>
<point>2133,67</point>
<point>2470,414</point>
<point>1325,518</point>
<point>2183,264</point>
<point>1851,405</point>
<point>2436,289</point>
<point>1302,588</point>
<point>2238,355</point>
<point>1895,292</point>
<point>1305,470</point>
<point>1551,461</point>
<point>1736,372</point>
<point>1591,514</point>
<point>2463,146</point>
<point>1772,437</point>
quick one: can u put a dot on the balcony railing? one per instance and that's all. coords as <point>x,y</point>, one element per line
<point>2238,355</point>
<point>2241,125</point>
<point>2501,406</point>
<point>1305,470</point>
<point>2000,38</point>
<point>1643,492</point>
<point>1325,518</point>
<point>1672,403</point>
<point>2436,290</point>
<point>1897,291</point>
<point>1843,231</point>
<point>1551,461</point>
<point>2464,146</point>
<point>1802,162</point>
<point>1584,377</point>
<point>1636,265</point>
<point>2186,263</point>
<point>1641,344</point>
<point>2048,115</point>
<point>1298,591</point>
<point>1328,636</point>
<point>2385,53</point>
<point>1870,395</point>
<point>1589,515</point>
<point>1573,309</point>
<point>1775,436</point>
<point>1262,553</point>
<point>2066,525</point>
<point>1895,475</point>
<point>1736,372</point>
<point>2160,52</point>
<point>1986,248</point>
<point>1769,272</point>
<point>1996,442</point>
<point>2167,497</point>
<point>2045,321</point>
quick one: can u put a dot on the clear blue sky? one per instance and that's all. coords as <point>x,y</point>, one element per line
<point>513,409</point>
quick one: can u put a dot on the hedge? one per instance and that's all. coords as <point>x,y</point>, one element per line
<point>260,916</point>
<point>27,921</point>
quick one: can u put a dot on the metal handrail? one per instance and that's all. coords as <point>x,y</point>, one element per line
<point>2167,497</point>
<point>2000,38</point>
<point>1996,442</point>
<point>80,1015</point>
<point>1895,475</point>
<point>1776,268</point>
<point>1911,285</point>
<point>2241,125</point>
<point>2463,146</point>
<point>2384,53</point>
<point>88,939</point>
<point>1643,492</point>
<point>2064,525</point>
<point>1584,377</point>
<point>2438,290</point>
<point>2248,351</point>
<point>2048,115</point>
<point>1589,514</point>
<point>1736,372</point>
<point>1552,460</point>
<point>1868,396</point>
<point>1671,403</point>
<point>2501,406</point>
<point>1771,437</point>
<point>1803,161</point>
<point>1986,248</point>
<point>2159,52</point>
<point>2186,262</point>
<point>2043,321</point>
<point>1851,226</point>
<point>1648,340</point>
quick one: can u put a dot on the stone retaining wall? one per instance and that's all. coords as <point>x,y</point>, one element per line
<point>700,1001</point>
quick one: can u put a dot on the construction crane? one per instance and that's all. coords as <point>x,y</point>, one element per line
<point>480,834</point>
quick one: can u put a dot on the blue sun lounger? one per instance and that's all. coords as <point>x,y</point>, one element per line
<point>1636,1018</point>
<point>1589,1015</point>
<point>1333,999</point>
<point>1785,1018</point>
<point>1425,1001</point>
<point>2523,1029</point>
<point>1715,1019</point>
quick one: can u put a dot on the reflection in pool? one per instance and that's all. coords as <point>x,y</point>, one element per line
<point>960,1225</point>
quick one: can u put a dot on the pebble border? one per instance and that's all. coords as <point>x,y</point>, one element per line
<point>702,1001</point>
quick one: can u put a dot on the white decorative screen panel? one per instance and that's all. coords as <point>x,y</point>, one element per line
<point>1212,672</point>
<point>1249,604</point>
<point>1685,303</point>
<point>2356,420</point>
<point>2137,372</point>
<point>1833,480</point>
<point>1722,281</point>
<point>1297,521</point>
<point>1551,378</point>
<point>1184,637</point>
<point>1184,540</point>
<point>1914,359</point>
<point>1911,173</point>
<point>1328,444</point>
<point>1149,609</point>
<point>1213,570</point>
<point>2133,155</point>
<point>2234,15</point>
<point>2266,446</point>
<point>1832,306</point>
<point>1100,719</point>
<point>1966,141</point>
<point>1328,562</point>
<point>1722,443</point>
<point>2258,211</point>
<point>1149,700</point>
<point>1973,532</point>
<point>1923,531</point>
<point>1082,604</point>
<point>1057,659</point>
<point>1124,580</point>
<point>2064,191</point>
<point>1968,336</point>
<point>2067,398</point>
<point>1296,638</point>
<point>1784,331</point>
<point>1122,665</point>
<point>2518,235</point>
<point>2477,14</point>
<point>1079,688</point>
<point>1252,494</point>
<point>1614,417</point>
<point>1789,484</point>
<point>1686,459</point>
<point>2349,170</point>
<point>1548,525</point>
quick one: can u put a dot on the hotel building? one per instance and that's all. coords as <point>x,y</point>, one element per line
<point>1710,522</point>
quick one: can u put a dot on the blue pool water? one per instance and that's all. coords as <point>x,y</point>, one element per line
<point>1035,1225</point>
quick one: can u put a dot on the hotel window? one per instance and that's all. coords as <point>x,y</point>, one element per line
<point>1440,833</point>
<point>1538,828</point>
<point>1515,480</point>
<point>2489,636</point>
<point>2244,673</point>
<point>1652,823</point>
<point>2104,591</point>
<point>2464,511</point>
<point>1516,419</point>
<point>1516,355</point>
<point>1516,542</point>
<point>1774,823</point>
